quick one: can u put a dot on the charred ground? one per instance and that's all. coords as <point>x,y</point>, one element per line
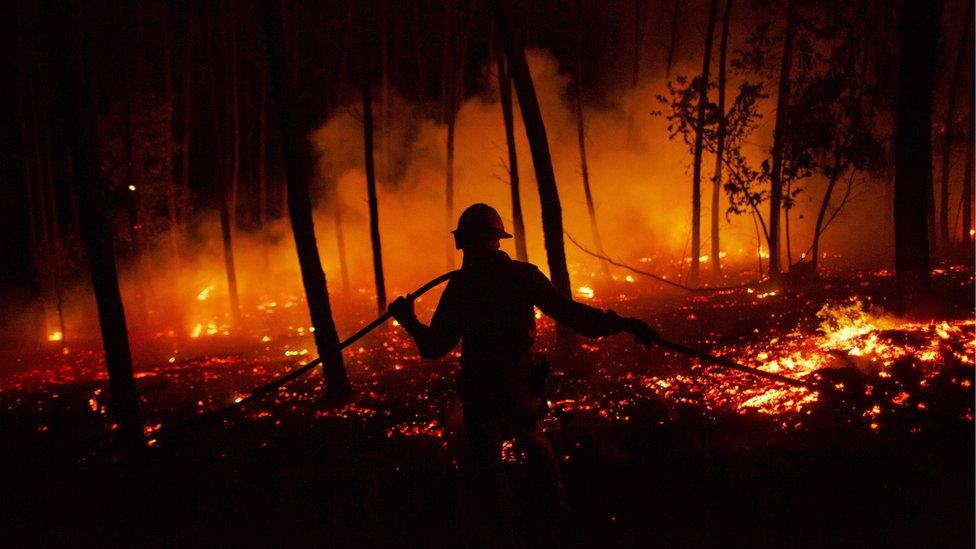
<point>655,449</point>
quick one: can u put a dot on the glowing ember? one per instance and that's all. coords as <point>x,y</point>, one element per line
<point>205,293</point>
<point>585,292</point>
<point>55,336</point>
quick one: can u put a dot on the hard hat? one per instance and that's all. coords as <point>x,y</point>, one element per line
<point>481,221</point>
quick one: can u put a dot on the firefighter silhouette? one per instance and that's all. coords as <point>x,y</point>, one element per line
<point>488,307</point>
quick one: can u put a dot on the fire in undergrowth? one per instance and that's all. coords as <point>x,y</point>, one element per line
<point>850,336</point>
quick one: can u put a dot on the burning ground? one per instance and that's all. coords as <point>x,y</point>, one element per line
<point>650,428</point>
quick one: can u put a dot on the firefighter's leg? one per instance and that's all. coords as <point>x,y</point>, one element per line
<point>489,500</point>
<point>541,460</point>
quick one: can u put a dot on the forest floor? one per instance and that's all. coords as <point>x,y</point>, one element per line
<point>654,448</point>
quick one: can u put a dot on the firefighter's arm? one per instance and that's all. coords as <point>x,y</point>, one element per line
<point>585,320</point>
<point>432,341</point>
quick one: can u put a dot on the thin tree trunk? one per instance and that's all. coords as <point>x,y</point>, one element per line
<point>782,105</point>
<point>967,193</point>
<point>219,163</point>
<point>699,145</point>
<point>374,221</point>
<point>37,309</point>
<point>174,155</point>
<point>134,190</point>
<point>720,146</point>
<point>838,152</point>
<point>235,114</point>
<point>581,135</point>
<point>552,222</point>
<point>96,237</point>
<point>298,172</point>
<point>341,245</point>
<point>675,17</point>
<point>949,130</point>
<point>344,54</point>
<point>918,31</point>
<point>418,43</point>
<point>263,152</point>
<point>505,91</point>
<point>56,248</point>
<point>787,234</point>
<point>447,116</point>
<point>821,214</point>
<point>458,45</point>
<point>187,119</point>
<point>638,41</point>
<point>759,242</point>
<point>449,187</point>
<point>385,125</point>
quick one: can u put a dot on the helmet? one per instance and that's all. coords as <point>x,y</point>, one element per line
<point>481,221</point>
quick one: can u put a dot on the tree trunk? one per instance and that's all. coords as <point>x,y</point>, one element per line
<point>263,152</point>
<point>581,135</point>
<point>341,246</point>
<point>37,308</point>
<point>174,152</point>
<point>675,17</point>
<point>56,250</point>
<point>821,215</point>
<point>187,114</point>
<point>638,41</point>
<point>852,131</point>
<point>699,145</point>
<point>447,117</point>
<point>776,174</point>
<point>134,190</point>
<point>449,187</point>
<point>96,237</point>
<point>949,131</point>
<point>967,192</point>
<point>918,31</point>
<point>505,91</point>
<point>552,222</point>
<point>219,163</point>
<point>298,172</point>
<point>374,215</point>
<point>235,115</point>
<point>720,146</point>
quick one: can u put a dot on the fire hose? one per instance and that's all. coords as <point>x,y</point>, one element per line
<point>305,368</point>
<point>732,365</point>
<point>380,320</point>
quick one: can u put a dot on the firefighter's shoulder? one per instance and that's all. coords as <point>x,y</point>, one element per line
<point>526,270</point>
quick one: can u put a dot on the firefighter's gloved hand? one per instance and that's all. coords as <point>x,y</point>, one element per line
<point>401,309</point>
<point>642,332</point>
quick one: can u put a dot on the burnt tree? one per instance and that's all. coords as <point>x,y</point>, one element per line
<point>918,32</point>
<point>79,112</point>
<point>298,171</point>
<point>776,170</point>
<point>967,181</point>
<point>950,124</point>
<point>581,136</point>
<point>720,141</point>
<point>374,214</point>
<point>699,146</point>
<point>505,93</point>
<point>535,129</point>
<point>675,17</point>
<point>226,232</point>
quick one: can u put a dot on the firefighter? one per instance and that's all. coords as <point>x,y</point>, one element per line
<point>488,307</point>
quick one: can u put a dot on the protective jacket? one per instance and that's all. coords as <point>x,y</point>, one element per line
<point>488,307</point>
